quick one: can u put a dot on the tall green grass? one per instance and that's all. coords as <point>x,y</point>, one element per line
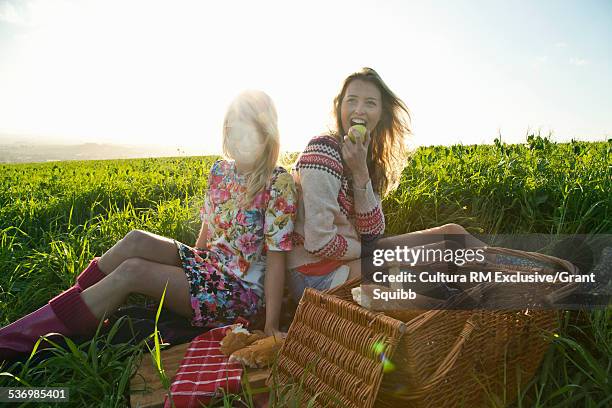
<point>54,217</point>
<point>538,186</point>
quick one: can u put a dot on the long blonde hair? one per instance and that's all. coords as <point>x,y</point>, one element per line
<point>387,151</point>
<point>257,109</point>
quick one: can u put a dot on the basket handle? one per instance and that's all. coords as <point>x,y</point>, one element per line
<point>557,294</point>
<point>568,266</point>
<point>449,361</point>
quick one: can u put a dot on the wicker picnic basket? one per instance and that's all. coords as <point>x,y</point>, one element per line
<point>343,353</point>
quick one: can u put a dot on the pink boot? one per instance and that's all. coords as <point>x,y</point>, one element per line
<point>66,314</point>
<point>90,276</point>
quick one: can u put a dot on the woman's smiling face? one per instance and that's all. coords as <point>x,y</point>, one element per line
<point>361,104</point>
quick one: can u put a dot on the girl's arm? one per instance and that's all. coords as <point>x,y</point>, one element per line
<point>207,207</point>
<point>274,285</point>
<point>201,242</point>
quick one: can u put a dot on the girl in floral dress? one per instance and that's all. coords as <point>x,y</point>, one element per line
<point>237,263</point>
<point>226,274</point>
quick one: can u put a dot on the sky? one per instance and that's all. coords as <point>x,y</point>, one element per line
<point>163,73</point>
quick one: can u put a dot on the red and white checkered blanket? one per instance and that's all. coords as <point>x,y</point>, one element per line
<point>204,372</point>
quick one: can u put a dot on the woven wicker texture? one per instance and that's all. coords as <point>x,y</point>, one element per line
<point>334,348</point>
<point>449,358</point>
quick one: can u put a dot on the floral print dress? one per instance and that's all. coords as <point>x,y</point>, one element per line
<point>221,286</point>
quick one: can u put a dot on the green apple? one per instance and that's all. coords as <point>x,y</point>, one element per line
<point>360,129</point>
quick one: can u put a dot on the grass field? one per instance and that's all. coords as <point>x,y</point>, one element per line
<point>54,217</point>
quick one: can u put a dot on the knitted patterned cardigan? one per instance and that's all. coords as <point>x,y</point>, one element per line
<point>333,217</point>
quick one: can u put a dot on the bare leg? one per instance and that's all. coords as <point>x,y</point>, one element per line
<point>355,269</point>
<point>137,275</point>
<point>356,265</point>
<point>140,244</point>
<point>430,236</point>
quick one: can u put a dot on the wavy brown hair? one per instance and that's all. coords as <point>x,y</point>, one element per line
<point>387,150</point>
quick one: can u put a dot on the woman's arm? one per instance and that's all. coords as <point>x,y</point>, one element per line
<point>355,157</point>
<point>274,285</point>
<point>370,220</point>
<point>320,171</point>
<point>202,237</point>
<point>369,217</point>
